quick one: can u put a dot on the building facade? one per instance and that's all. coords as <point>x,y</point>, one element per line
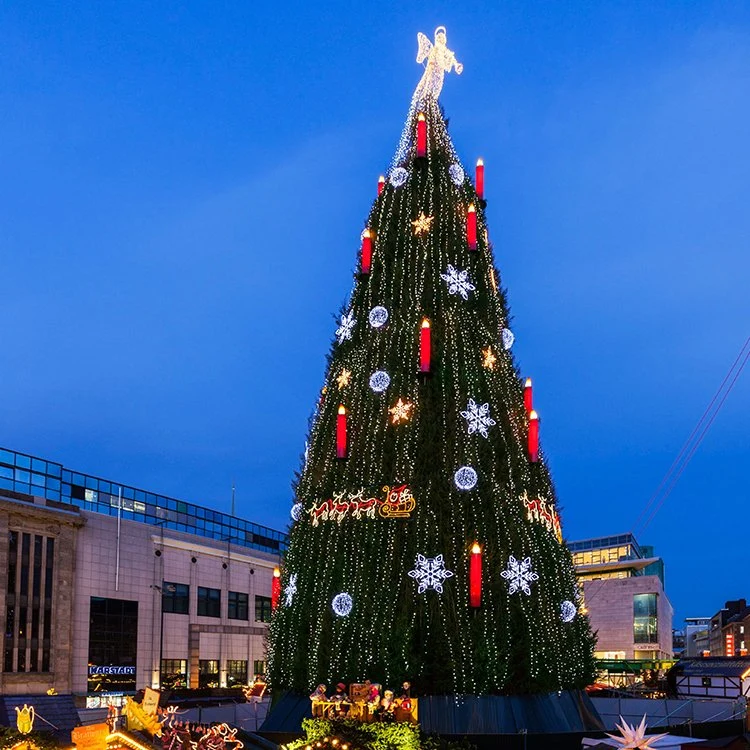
<point>623,590</point>
<point>728,631</point>
<point>697,636</point>
<point>109,589</point>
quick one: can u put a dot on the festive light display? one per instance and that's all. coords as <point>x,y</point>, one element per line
<point>508,338</point>
<point>410,483</point>
<point>421,136</point>
<point>341,437</point>
<point>440,60</point>
<point>290,590</point>
<point>528,396</point>
<point>378,316</point>
<point>567,611</point>
<point>422,223</point>
<point>379,381</point>
<point>425,346</point>
<point>275,588</point>
<point>342,604</point>
<point>344,378</point>
<point>430,572</point>
<point>381,184</point>
<point>475,576</point>
<point>479,178</point>
<point>533,436</point>
<point>471,227</point>
<point>296,511</point>
<point>465,478</point>
<point>366,252</point>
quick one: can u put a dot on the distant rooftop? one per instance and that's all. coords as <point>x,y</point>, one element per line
<point>602,542</point>
<point>29,475</point>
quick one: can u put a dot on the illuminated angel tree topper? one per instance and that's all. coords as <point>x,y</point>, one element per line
<point>435,461</point>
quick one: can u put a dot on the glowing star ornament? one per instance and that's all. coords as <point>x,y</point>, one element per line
<point>379,381</point>
<point>290,590</point>
<point>478,418</point>
<point>430,572</point>
<point>519,575</point>
<point>456,173</point>
<point>440,60</point>
<point>398,177</point>
<point>401,411</point>
<point>508,338</point>
<point>342,604</point>
<point>378,316</point>
<point>346,326</point>
<point>465,478</point>
<point>458,281</point>
<point>422,224</point>
<point>344,378</point>
<point>634,738</point>
<point>296,511</point>
<point>488,358</point>
<point>567,611</point>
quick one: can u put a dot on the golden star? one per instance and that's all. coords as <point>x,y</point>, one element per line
<point>489,358</point>
<point>344,378</point>
<point>422,224</point>
<point>400,412</point>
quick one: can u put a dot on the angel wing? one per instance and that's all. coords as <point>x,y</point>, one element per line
<point>425,45</point>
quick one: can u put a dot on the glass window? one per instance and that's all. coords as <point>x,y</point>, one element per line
<point>175,597</point>
<point>262,609</point>
<point>23,461</point>
<point>113,644</point>
<point>645,623</point>
<point>237,606</point>
<point>236,672</point>
<point>173,673</point>
<point>208,673</point>
<point>209,602</point>
<point>259,668</point>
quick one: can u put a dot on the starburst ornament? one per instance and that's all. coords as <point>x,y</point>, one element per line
<point>458,281</point>
<point>634,737</point>
<point>422,224</point>
<point>488,358</point>
<point>290,590</point>
<point>344,378</point>
<point>478,418</point>
<point>519,575</point>
<point>346,326</point>
<point>430,572</point>
<point>401,411</point>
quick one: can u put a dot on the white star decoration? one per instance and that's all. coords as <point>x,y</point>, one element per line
<point>458,281</point>
<point>430,573</point>
<point>290,590</point>
<point>519,575</point>
<point>478,417</point>
<point>346,326</point>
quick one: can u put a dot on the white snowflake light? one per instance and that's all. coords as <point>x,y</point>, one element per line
<point>379,381</point>
<point>378,316</point>
<point>465,478</point>
<point>290,590</point>
<point>430,572</point>
<point>508,338</point>
<point>346,326</point>
<point>567,611</point>
<point>478,417</point>
<point>456,172</point>
<point>398,177</point>
<point>296,511</point>
<point>458,282</point>
<point>342,604</point>
<point>519,575</point>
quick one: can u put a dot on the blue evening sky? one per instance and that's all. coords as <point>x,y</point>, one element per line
<point>184,184</point>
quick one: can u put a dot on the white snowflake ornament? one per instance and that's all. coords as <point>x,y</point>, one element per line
<point>430,572</point>
<point>458,281</point>
<point>290,590</point>
<point>346,326</point>
<point>478,418</point>
<point>519,575</point>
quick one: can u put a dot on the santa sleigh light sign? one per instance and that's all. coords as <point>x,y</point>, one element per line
<point>397,502</point>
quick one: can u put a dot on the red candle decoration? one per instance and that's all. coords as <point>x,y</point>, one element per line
<point>471,227</point>
<point>527,396</point>
<point>533,436</point>
<point>366,255</point>
<point>425,346</point>
<point>341,432</point>
<point>275,588</point>
<point>475,576</point>
<point>381,184</point>
<point>480,179</point>
<point>421,135</point>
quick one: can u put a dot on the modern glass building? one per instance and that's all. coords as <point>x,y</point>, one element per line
<point>29,475</point>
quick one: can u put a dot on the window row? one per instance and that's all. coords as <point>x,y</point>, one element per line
<point>174,673</point>
<point>175,598</point>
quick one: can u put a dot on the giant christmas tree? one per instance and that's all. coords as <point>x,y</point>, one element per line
<point>426,545</point>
